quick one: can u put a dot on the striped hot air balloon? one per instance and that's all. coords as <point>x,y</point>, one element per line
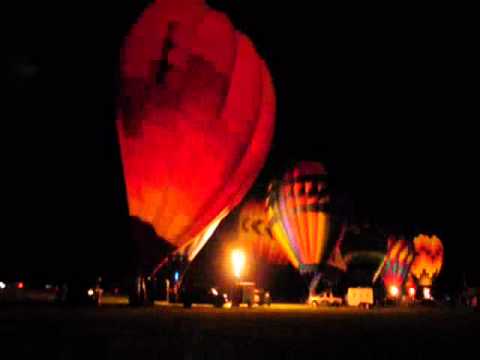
<point>396,265</point>
<point>297,208</point>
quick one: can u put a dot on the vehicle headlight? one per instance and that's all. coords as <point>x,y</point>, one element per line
<point>90,292</point>
<point>2,285</point>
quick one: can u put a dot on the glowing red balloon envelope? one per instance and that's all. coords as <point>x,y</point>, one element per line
<point>195,122</point>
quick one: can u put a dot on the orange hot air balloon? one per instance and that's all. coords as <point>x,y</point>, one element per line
<point>299,217</point>
<point>254,235</point>
<point>195,121</point>
<point>428,259</point>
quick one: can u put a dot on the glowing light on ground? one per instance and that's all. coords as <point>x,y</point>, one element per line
<point>427,294</point>
<point>238,261</point>
<point>394,291</point>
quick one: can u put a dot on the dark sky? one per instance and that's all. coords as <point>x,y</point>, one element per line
<point>387,97</point>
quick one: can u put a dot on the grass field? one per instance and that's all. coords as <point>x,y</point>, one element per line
<point>280,332</point>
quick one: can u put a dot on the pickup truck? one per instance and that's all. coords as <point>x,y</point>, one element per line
<point>325,299</point>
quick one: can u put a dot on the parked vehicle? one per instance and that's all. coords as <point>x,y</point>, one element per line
<point>80,292</point>
<point>246,293</point>
<point>198,294</point>
<point>325,298</point>
<point>361,297</point>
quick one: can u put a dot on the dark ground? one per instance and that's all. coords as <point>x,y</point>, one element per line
<point>283,332</point>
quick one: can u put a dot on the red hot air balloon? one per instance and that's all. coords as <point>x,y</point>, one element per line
<point>195,122</point>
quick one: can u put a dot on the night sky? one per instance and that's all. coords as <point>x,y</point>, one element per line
<point>386,97</point>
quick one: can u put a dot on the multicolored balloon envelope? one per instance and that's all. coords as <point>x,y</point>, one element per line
<point>428,259</point>
<point>396,264</point>
<point>299,218</point>
<point>255,236</point>
<point>195,122</point>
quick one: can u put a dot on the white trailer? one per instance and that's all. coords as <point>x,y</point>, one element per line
<point>361,297</point>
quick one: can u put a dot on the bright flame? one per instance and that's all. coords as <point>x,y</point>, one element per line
<point>2,285</point>
<point>427,294</point>
<point>214,291</point>
<point>238,260</point>
<point>394,291</point>
<point>90,292</point>
<point>411,291</point>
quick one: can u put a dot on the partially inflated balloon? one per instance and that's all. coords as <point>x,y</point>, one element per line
<point>363,265</point>
<point>428,259</point>
<point>298,214</point>
<point>195,122</point>
<point>397,263</point>
<point>366,257</point>
<point>255,236</point>
<point>364,250</point>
